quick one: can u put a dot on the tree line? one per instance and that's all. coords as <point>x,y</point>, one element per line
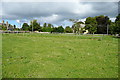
<point>46,27</point>
<point>95,25</point>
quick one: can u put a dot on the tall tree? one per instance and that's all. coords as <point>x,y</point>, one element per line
<point>117,18</point>
<point>68,29</point>
<point>45,25</point>
<point>117,24</point>
<point>34,26</point>
<point>25,27</point>
<point>55,29</point>
<point>91,24</point>
<point>48,28</point>
<point>103,23</point>
<point>14,26</point>
<point>60,29</point>
<point>50,25</point>
<point>112,28</point>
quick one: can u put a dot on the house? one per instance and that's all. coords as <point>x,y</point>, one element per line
<point>6,25</point>
<point>79,28</point>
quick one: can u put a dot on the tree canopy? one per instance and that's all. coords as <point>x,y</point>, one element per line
<point>68,29</point>
<point>91,24</point>
<point>25,27</point>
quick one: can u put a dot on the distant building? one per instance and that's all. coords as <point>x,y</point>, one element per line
<point>6,25</point>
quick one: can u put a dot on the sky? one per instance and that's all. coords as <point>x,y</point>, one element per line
<point>56,13</point>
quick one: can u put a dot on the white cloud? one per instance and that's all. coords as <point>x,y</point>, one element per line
<point>50,19</point>
<point>112,19</point>
<point>82,8</point>
<point>56,13</point>
<point>60,0</point>
<point>18,21</point>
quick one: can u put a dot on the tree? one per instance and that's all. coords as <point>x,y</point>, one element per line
<point>117,18</point>
<point>102,24</point>
<point>68,29</point>
<point>25,27</point>
<point>4,27</point>
<point>10,27</point>
<point>48,28</point>
<point>77,27</point>
<point>34,26</point>
<point>60,29</point>
<point>112,28</point>
<point>117,24</point>
<point>55,29</point>
<point>0,27</point>
<point>91,24</point>
<point>14,26</point>
<point>50,25</point>
<point>117,27</point>
<point>45,25</point>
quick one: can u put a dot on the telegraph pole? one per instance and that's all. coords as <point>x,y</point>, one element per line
<point>32,25</point>
<point>107,29</point>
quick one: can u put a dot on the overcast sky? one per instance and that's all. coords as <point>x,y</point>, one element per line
<point>57,13</point>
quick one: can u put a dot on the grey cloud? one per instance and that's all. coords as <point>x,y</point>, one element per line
<point>57,12</point>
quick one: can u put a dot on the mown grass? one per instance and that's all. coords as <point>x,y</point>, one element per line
<point>59,56</point>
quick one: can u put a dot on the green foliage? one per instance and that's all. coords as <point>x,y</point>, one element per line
<point>117,27</point>
<point>47,29</point>
<point>77,28</point>
<point>112,27</point>
<point>55,29</point>
<point>117,24</point>
<point>45,25</point>
<point>91,24</point>
<point>60,29</point>
<point>68,29</point>
<point>4,27</point>
<point>102,23</point>
<point>35,26</point>
<point>25,27</point>
<point>117,18</point>
<point>0,27</point>
<point>50,25</point>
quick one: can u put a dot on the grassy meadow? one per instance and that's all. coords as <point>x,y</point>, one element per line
<point>32,55</point>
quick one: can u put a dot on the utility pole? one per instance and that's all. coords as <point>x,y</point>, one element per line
<point>107,29</point>
<point>32,25</point>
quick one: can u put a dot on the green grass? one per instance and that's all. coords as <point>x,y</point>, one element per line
<point>0,56</point>
<point>59,56</point>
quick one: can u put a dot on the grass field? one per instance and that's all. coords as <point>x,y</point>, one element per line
<point>59,56</point>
